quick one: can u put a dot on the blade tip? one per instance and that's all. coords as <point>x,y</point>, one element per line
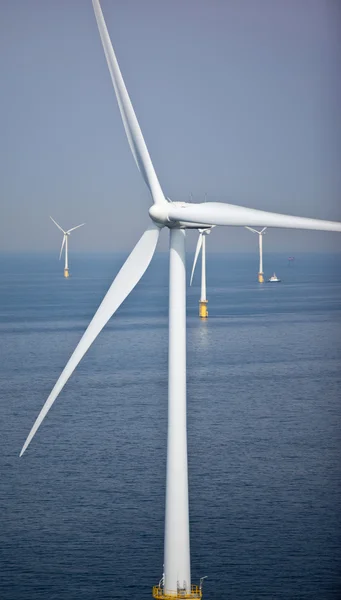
<point>25,446</point>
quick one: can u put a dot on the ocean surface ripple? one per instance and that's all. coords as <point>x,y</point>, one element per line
<point>82,513</point>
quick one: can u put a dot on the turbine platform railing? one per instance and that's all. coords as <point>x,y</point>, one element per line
<point>161,594</point>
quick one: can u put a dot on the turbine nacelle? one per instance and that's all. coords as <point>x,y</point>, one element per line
<point>207,214</point>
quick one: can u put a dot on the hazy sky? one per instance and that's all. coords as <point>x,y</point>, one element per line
<point>238,99</point>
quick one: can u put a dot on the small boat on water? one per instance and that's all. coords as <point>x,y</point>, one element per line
<point>274,279</point>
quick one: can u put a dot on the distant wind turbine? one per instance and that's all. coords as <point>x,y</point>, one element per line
<point>177,217</point>
<point>201,245</point>
<point>66,244</point>
<point>260,239</point>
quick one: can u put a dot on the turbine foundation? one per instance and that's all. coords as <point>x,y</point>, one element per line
<point>261,277</point>
<point>66,273</point>
<point>161,594</point>
<point>203,311</point>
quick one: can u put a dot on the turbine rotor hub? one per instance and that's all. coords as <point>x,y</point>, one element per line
<point>159,214</point>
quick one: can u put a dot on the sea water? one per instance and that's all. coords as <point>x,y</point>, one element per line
<point>82,512</point>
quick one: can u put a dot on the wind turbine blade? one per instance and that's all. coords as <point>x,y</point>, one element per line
<point>59,227</point>
<point>131,126</point>
<point>218,213</point>
<point>197,252</point>
<point>125,281</point>
<point>264,228</point>
<point>61,250</point>
<point>73,228</point>
<point>251,229</point>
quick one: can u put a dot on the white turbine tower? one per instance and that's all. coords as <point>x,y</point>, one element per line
<point>201,245</point>
<point>65,243</point>
<point>260,239</point>
<point>176,216</point>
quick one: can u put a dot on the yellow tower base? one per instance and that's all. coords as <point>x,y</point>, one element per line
<point>66,273</point>
<point>203,312</point>
<point>260,277</point>
<point>193,593</point>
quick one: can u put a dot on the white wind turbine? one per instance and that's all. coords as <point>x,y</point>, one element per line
<point>65,243</point>
<point>260,239</point>
<point>201,245</point>
<point>177,217</point>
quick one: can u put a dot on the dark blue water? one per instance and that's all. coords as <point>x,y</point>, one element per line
<point>82,512</point>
